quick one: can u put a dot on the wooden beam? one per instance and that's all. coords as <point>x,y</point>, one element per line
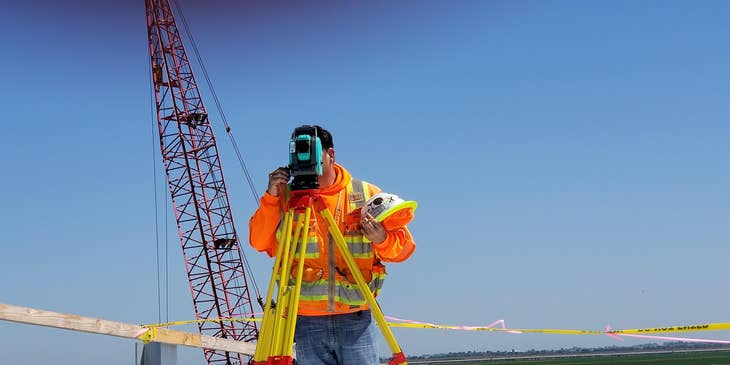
<point>73,322</point>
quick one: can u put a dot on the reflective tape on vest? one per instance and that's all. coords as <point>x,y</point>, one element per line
<point>360,250</point>
<point>312,244</point>
<point>358,194</point>
<point>346,293</point>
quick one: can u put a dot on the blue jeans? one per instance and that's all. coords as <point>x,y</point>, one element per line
<point>341,339</point>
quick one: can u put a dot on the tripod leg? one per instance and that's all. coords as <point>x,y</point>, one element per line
<point>276,319</point>
<point>294,300</point>
<point>263,345</point>
<point>364,288</point>
<point>281,317</point>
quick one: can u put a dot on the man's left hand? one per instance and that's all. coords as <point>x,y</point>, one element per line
<point>372,229</point>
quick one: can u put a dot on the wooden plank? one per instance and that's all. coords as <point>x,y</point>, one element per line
<point>225,344</point>
<point>69,321</point>
<point>73,322</point>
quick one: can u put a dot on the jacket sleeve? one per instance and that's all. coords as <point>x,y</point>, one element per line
<point>398,245</point>
<point>262,225</point>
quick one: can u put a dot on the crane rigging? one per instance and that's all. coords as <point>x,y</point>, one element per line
<point>211,247</point>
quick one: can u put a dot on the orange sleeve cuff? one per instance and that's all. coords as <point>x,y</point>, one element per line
<point>398,246</point>
<point>269,199</point>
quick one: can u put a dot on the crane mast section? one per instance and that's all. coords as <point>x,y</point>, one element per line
<point>210,245</point>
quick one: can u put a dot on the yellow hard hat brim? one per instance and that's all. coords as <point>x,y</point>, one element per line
<point>398,215</point>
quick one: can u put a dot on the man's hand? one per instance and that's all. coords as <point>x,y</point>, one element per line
<point>372,229</point>
<point>278,180</point>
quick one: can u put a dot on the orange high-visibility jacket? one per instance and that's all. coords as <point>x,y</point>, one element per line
<point>327,286</point>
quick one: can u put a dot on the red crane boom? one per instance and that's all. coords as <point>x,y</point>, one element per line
<point>210,245</point>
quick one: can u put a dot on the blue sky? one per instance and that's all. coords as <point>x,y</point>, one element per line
<point>569,158</point>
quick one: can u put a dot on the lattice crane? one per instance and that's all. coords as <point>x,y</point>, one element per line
<point>210,245</point>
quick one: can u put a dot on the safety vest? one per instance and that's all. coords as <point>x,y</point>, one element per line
<point>328,286</point>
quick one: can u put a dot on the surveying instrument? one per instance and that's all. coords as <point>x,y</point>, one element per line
<point>276,335</point>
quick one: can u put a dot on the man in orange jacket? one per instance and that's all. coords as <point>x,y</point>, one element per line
<point>333,322</point>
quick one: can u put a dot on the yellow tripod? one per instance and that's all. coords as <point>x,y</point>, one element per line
<point>276,335</point>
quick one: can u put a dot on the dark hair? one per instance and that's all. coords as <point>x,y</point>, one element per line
<point>325,136</point>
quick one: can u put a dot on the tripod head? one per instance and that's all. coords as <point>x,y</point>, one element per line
<point>301,199</point>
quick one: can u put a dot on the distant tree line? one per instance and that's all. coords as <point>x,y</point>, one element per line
<point>666,346</point>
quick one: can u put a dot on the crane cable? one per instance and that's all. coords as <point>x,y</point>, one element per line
<point>157,224</point>
<point>254,193</point>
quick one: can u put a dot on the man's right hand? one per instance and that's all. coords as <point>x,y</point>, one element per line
<point>278,180</point>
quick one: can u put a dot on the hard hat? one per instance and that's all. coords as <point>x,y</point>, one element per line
<point>390,210</point>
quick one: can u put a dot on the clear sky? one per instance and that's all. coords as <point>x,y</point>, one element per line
<point>569,158</point>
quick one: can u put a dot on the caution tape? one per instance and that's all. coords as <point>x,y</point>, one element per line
<point>149,335</point>
<point>491,327</point>
<point>691,328</point>
<point>649,333</point>
<point>180,323</point>
<point>500,326</point>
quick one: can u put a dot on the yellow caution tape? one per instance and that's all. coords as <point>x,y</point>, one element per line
<point>180,323</point>
<point>668,329</point>
<point>149,335</point>
<point>690,328</point>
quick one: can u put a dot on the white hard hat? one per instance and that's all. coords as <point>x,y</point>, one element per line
<point>382,206</point>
